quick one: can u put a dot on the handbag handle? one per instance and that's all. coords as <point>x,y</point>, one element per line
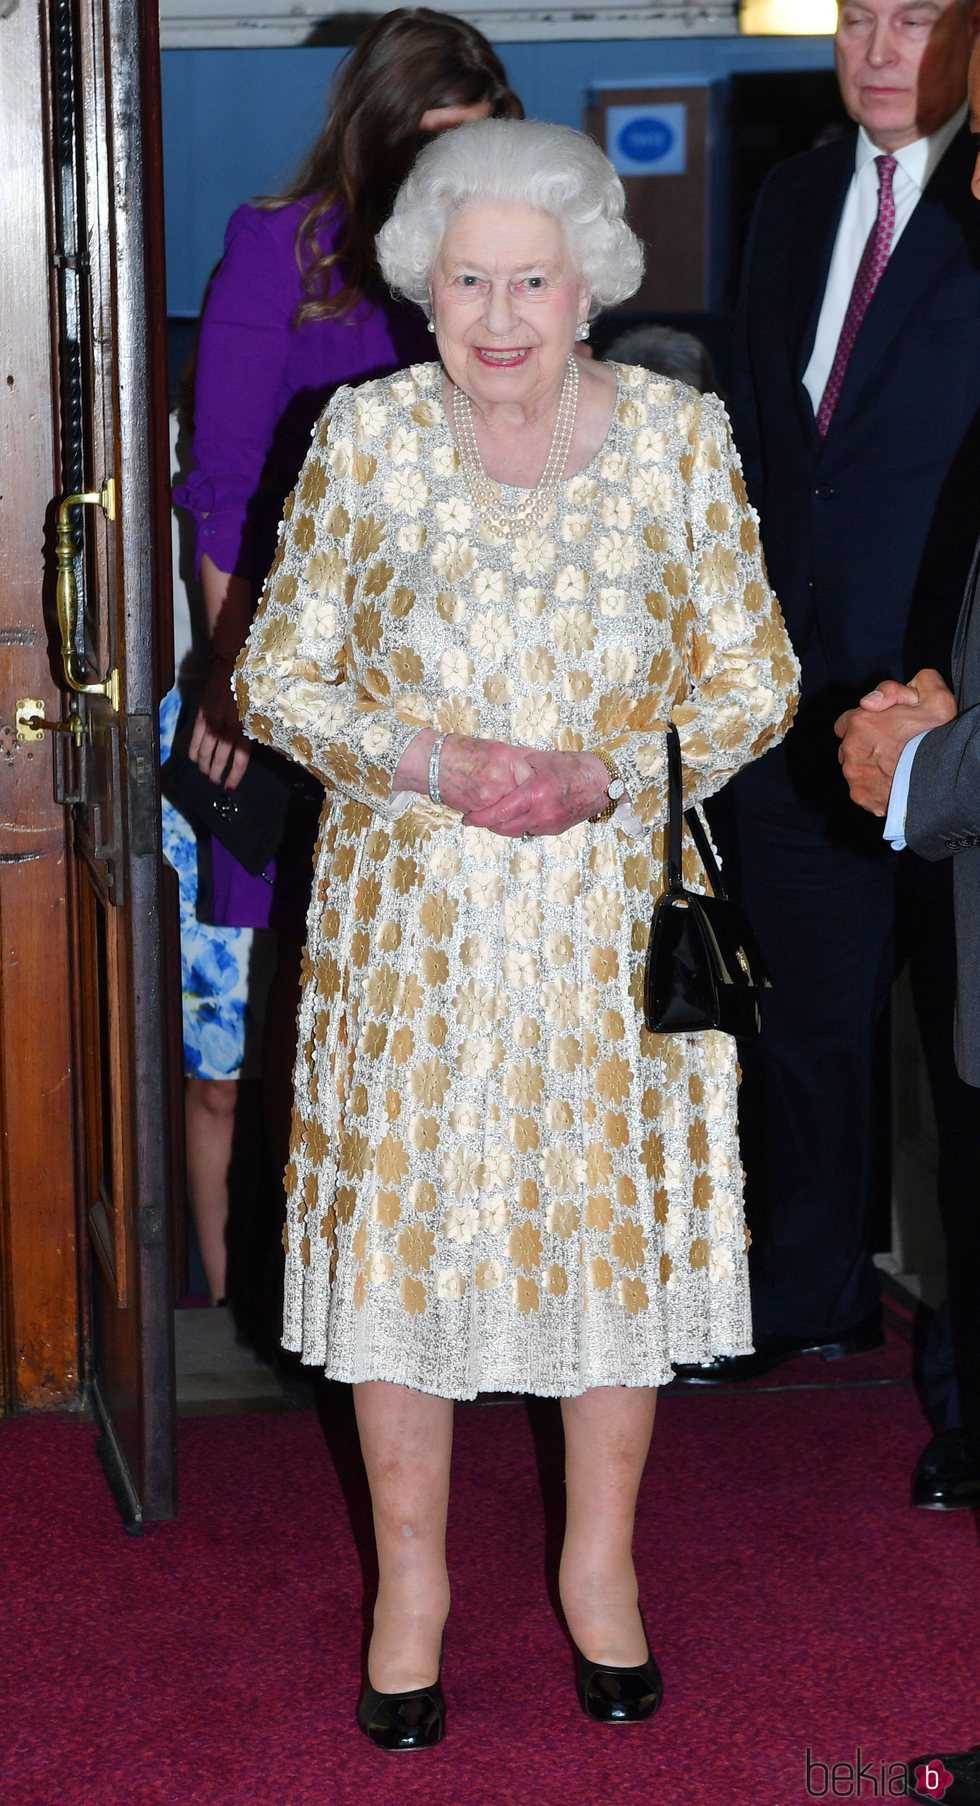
<point>676,816</point>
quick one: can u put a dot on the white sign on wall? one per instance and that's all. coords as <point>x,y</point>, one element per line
<point>647,141</point>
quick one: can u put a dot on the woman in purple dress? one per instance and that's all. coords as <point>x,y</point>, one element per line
<point>295,308</point>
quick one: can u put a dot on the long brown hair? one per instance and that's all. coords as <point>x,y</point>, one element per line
<point>406,62</point>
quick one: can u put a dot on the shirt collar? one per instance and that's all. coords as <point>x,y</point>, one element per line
<point>917,161</point>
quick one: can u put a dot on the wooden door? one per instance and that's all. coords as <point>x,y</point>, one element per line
<point>84,321</point>
<point>668,207</point>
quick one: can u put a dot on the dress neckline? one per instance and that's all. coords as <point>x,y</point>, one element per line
<point>525,488</point>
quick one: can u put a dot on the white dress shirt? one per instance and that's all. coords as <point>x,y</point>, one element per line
<point>916,163</point>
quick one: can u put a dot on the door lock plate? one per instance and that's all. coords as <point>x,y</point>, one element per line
<point>29,722</point>
<point>29,719</point>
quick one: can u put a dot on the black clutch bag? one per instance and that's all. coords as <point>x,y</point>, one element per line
<point>704,968</point>
<point>257,819</point>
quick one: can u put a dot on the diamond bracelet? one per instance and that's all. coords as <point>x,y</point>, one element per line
<point>435,795</point>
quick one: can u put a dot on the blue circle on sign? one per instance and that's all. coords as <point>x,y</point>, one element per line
<point>646,140</point>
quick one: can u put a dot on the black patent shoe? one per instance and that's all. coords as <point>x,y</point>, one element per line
<point>618,1695</point>
<point>947,1473</point>
<point>773,1351</point>
<point>403,1721</point>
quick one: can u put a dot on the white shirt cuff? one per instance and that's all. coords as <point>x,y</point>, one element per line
<point>898,796</point>
<point>399,801</point>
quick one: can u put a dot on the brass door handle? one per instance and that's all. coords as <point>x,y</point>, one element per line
<point>67,593</point>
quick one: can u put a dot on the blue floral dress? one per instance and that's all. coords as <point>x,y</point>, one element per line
<point>224,972</point>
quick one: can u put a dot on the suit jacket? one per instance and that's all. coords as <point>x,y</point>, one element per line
<point>943,819</point>
<point>869,534</point>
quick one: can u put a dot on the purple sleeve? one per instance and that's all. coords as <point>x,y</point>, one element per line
<point>242,355</point>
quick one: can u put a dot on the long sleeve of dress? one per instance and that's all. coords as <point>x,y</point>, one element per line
<point>305,681</point>
<point>740,674</point>
<point>723,669</point>
<point>264,377</point>
<point>243,352</point>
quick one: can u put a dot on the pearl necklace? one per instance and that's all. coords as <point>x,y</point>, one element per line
<point>506,518</point>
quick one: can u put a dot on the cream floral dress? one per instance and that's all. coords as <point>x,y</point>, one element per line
<point>498,1178</point>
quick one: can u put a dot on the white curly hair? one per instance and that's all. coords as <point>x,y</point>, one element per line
<point>517,162</point>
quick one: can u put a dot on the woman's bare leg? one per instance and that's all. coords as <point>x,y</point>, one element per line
<point>209,1125</point>
<point>406,1440</point>
<point>607,1436</point>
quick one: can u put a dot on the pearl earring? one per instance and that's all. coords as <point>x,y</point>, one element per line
<point>431,325</point>
<point>582,330</point>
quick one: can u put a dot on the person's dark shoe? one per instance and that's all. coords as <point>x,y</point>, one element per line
<point>618,1695</point>
<point>772,1351</point>
<point>955,1780</point>
<point>947,1473</point>
<point>403,1721</point>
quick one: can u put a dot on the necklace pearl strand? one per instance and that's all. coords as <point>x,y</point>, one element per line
<point>507,518</point>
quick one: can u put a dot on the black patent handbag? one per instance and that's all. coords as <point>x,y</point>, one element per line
<point>704,968</point>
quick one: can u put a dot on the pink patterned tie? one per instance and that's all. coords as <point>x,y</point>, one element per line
<point>871,268</point>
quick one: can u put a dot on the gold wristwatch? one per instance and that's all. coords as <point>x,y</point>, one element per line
<point>616,789</point>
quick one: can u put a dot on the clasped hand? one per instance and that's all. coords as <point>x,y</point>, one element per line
<point>873,735</point>
<point>515,790</point>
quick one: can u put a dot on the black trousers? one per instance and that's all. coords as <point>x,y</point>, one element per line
<point>837,912</point>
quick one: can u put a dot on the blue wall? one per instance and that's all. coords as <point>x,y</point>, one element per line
<point>236,122</point>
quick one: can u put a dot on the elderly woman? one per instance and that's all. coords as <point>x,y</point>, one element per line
<point>500,577</point>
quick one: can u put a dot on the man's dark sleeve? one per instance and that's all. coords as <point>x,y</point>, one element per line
<point>943,813</point>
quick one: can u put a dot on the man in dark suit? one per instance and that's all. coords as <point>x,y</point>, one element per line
<point>857,401</point>
<point>910,758</point>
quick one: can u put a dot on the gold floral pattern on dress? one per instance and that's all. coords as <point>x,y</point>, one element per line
<point>498,1178</point>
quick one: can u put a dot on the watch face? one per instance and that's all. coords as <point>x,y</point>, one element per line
<point>616,789</point>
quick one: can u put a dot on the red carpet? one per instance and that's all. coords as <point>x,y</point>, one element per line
<point>793,1600</point>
